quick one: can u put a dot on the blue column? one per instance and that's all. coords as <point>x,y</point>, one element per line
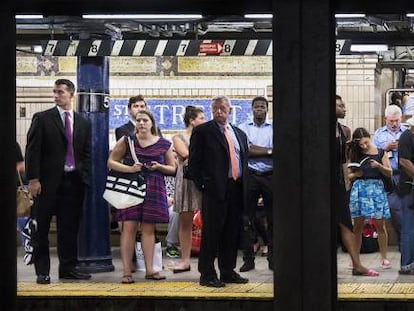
<point>93,95</point>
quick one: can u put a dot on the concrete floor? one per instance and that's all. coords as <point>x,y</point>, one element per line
<point>260,274</point>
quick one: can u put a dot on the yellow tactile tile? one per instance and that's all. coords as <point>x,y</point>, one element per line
<point>144,289</point>
<point>171,290</point>
<point>376,291</point>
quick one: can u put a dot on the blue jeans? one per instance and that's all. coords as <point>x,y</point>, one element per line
<point>407,232</point>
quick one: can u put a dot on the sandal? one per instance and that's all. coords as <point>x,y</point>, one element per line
<point>370,272</point>
<point>155,277</point>
<point>127,279</point>
<point>385,264</point>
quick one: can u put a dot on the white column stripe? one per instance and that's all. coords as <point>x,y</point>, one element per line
<point>250,47</point>
<point>270,49</point>
<point>116,48</point>
<point>138,48</point>
<point>72,48</point>
<point>159,51</point>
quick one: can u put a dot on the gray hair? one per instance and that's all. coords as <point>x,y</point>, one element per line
<point>221,98</point>
<point>393,110</point>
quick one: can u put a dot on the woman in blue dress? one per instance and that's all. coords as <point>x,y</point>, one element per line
<point>368,198</point>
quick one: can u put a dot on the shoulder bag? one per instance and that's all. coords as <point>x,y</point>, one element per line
<point>23,199</point>
<point>123,190</point>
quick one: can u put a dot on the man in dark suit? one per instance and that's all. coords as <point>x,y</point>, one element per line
<point>218,166</point>
<point>57,167</point>
<point>135,104</point>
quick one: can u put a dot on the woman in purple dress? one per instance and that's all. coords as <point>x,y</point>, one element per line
<point>156,159</point>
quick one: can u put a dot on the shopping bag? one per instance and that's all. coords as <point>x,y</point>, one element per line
<point>196,233</point>
<point>369,242</point>
<point>157,259</point>
<point>195,240</point>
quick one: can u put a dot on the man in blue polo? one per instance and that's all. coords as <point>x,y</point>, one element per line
<point>387,138</point>
<point>260,137</point>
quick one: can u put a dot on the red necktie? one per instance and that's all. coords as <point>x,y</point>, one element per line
<point>70,160</point>
<point>233,159</point>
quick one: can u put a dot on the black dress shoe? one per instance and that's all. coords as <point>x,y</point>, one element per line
<point>233,278</point>
<point>247,266</point>
<point>179,270</point>
<point>214,282</point>
<point>43,279</point>
<point>74,275</point>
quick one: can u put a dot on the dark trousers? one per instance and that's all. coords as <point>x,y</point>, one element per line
<point>258,185</point>
<point>66,204</point>
<point>395,202</point>
<point>220,231</point>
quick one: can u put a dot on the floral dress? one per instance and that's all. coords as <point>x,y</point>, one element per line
<point>368,198</point>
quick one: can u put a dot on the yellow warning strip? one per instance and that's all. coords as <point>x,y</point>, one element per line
<point>172,290</point>
<point>376,291</point>
<point>167,290</point>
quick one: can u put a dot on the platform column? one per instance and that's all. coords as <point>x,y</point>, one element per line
<point>304,120</point>
<point>93,96</point>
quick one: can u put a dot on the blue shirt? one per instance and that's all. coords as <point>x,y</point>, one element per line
<point>383,136</point>
<point>261,136</point>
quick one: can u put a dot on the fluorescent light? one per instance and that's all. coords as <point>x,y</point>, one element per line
<point>28,16</point>
<point>258,16</point>
<point>410,14</point>
<point>37,49</point>
<point>142,16</point>
<point>369,47</point>
<point>350,15</point>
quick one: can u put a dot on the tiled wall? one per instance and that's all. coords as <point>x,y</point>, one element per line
<point>34,99</point>
<point>356,83</point>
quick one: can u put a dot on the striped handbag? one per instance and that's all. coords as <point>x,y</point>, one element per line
<point>123,190</point>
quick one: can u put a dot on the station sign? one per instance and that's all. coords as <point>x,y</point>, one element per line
<point>168,113</point>
<point>211,48</point>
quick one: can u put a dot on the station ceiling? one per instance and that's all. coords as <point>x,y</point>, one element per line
<point>391,29</point>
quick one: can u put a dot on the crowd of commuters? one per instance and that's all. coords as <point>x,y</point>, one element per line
<point>215,167</point>
<point>390,157</point>
<point>211,167</point>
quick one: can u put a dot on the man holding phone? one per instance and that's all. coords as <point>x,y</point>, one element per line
<point>387,138</point>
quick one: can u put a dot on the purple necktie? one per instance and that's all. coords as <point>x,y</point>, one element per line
<point>70,161</point>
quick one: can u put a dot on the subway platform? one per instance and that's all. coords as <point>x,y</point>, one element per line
<point>182,291</point>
